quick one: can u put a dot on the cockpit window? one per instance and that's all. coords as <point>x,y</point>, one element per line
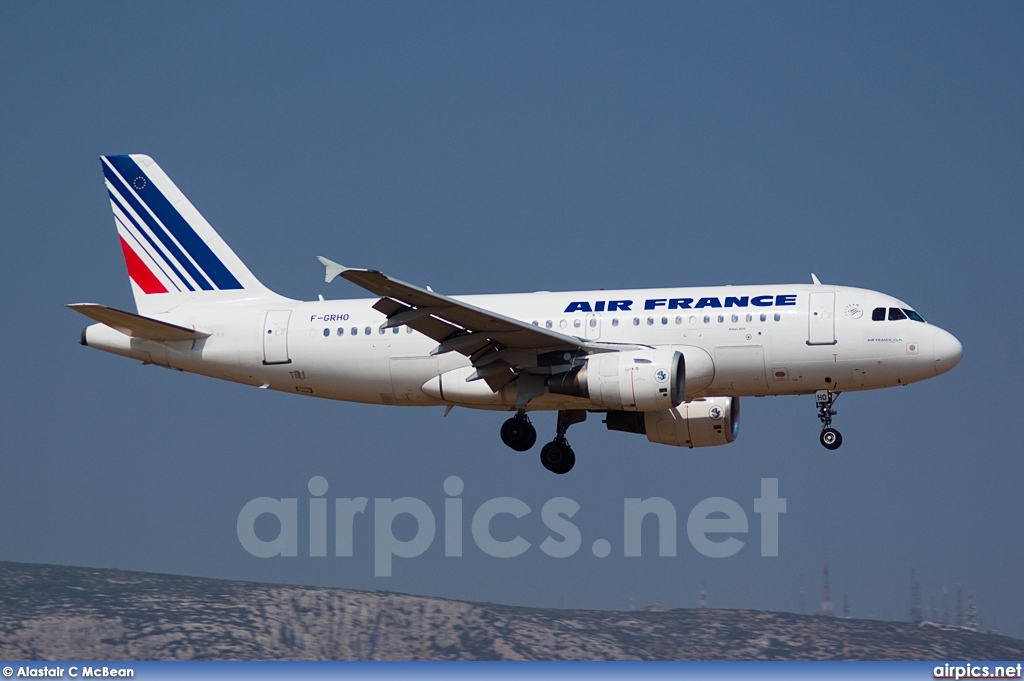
<point>896,314</point>
<point>913,315</point>
<point>878,314</point>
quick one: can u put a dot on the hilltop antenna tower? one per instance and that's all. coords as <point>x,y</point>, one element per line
<point>945,605</point>
<point>959,606</point>
<point>972,613</point>
<point>802,610</point>
<point>703,597</point>
<point>915,598</point>
<point>826,594</point>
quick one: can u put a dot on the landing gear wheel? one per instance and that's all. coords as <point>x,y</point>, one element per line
<point>557,456</point>
<point>518,433</point>
<point>831,438</point>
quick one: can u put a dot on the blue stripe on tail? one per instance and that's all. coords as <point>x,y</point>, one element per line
<point>211,265</point>
<point>121,190</point>
<point>116,199</point>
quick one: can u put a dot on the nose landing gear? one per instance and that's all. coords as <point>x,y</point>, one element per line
<point>830,437</point>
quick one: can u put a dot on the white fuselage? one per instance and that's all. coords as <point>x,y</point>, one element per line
<point>759,340</point>
<point>668,363</point>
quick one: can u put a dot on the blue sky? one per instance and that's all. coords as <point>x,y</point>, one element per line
<point>486,147</point>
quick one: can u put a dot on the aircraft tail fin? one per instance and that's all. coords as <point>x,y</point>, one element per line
<point>172,253</point>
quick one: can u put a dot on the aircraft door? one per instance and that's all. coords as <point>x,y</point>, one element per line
<point>739,369</point>
<point>821,318</point>
<point>275,337</point>
<point>408,374</point>
<point>593,330</point>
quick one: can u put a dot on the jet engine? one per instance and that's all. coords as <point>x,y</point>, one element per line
<point>704,422</point>
<point>635,380</point>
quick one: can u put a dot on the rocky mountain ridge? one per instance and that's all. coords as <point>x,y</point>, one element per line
<point>54,612</point>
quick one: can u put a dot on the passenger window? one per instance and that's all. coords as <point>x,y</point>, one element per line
<point>341,331</point>
<point>367,331</point>
<point>750,317</point>
<point>535,322</point>
<point>355,331</point>
<point>547,324</point>
<point>778,317</point>
<point>707,319</point>
<point>381,331</point>
<point>408,329</point>
<point>615,321</point>
<point>396,330</point>
<point>878,314</point>
<point>636,321</point>
<point>721,319</point>
<point>327,332</point>
<point>679,320</point>
<point>764,317</point>
<point>593,323</point>
<point>664,320</point>
<point>576,323</point>
<point>650,321</point>
<point>735,318</point>
<point>693,320</point>
<point>562,323</point>
<point>896,314</point>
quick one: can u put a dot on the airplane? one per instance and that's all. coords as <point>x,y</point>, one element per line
<point>668,363</point>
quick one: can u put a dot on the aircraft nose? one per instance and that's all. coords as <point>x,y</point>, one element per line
<point>948,351</point>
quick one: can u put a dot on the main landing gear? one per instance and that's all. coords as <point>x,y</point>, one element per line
<point>556,456</point>
<point>518,433</point>
<point>830,437</point>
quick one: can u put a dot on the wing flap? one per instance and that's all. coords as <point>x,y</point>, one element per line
<point>431,327</point>
<point>135,325</point>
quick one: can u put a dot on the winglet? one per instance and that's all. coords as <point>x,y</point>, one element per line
<point>333,268</point>
<point>814,278</point>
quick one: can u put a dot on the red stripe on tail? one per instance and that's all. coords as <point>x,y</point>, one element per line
<point>140,274</point>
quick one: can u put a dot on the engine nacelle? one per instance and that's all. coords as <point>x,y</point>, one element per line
<point>637,380</point>
<point>704,422</point>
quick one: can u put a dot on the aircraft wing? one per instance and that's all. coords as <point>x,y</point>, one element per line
<point>498,346</point>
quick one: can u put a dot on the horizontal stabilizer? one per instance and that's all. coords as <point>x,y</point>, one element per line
<point>135,325</point>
